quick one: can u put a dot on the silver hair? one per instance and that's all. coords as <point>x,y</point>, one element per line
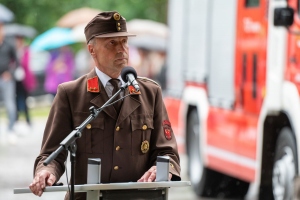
<point>92,41</point>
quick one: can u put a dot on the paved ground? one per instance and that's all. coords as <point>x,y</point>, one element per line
<point>16,164</point>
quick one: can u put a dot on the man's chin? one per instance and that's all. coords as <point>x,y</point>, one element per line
<point>121,65</point>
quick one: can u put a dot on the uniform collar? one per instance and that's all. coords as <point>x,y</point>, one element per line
<point>130,103</point>
<point>104,78</point>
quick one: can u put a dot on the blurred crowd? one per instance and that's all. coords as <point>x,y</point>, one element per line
<point>34,64</point>
<point>16,79</point>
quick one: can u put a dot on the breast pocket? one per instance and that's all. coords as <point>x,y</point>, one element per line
<point>92,136</point>
<point>141,135</point>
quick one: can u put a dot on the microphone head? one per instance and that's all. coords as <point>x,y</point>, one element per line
<point>128,70</point>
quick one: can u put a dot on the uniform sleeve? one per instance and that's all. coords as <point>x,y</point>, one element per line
<point>163,139</point>
<point>58,127</point>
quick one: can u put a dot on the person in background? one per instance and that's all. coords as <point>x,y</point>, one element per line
<point>83,62</point>
<point>25,79</point>
<point>8,63</point>
<point>60,69</point>
<point>127,137</point>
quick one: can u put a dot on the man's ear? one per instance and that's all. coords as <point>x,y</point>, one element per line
<point>91,49</point>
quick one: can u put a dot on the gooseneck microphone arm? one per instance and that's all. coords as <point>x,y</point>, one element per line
<point>69,142</point>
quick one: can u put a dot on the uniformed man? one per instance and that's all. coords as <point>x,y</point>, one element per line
<point>128,138</point>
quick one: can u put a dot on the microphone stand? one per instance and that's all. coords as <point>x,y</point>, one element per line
<point>69,142</point>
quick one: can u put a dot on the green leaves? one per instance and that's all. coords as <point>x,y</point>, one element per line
<point>43,14</point>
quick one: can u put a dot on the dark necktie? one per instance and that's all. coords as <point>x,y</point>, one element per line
<point>115,83</point>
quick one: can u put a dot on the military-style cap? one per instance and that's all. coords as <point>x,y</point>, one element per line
<point>106,24</point>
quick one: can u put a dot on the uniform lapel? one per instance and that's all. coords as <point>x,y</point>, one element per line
<point>102,97</point>
<point>129,105</point>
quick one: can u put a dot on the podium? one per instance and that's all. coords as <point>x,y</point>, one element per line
<point>116,191</point>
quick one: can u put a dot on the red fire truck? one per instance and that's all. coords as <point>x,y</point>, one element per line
<point>233,83</point>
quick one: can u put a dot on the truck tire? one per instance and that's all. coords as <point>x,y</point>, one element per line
<point>203,180</point>
<point>207,182</point>
<point>285,165</point>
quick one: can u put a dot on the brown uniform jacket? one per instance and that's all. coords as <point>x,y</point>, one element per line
<point>142,117</point>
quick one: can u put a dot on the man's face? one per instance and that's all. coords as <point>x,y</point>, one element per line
<point>111,54</point>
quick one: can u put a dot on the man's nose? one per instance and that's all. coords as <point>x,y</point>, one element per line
<point>121,47</point>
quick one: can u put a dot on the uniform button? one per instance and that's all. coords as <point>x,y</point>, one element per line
<point>172,165</point>
<point>116,167</point>
<point>89,126</point>
<point>117,128</point>
<point>118,148</point>
<point>144,127</point>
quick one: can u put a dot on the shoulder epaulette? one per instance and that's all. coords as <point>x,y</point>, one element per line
<point>148,79</point>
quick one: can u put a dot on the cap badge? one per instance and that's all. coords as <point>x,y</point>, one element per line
<point>93,85</point>
<point>145,146</point>
<point>117,16</point>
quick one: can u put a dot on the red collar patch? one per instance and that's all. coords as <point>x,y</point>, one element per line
<point>93,85</point>
<point>132,90</point>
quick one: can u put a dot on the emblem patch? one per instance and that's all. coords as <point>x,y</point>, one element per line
<point>167,129</point>
<point>145,146</point>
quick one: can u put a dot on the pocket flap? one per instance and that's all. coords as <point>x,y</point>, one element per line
<point>141,124</point>
<point>80,117</point>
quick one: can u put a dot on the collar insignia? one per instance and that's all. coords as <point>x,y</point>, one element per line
<point>132,90</point>
<point>93,85</point>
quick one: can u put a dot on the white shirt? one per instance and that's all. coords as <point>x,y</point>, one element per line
<point>104,78</point>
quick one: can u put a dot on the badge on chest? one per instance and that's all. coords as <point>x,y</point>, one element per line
<point>145,146</point>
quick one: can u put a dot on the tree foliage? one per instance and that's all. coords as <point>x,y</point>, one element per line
<point>43,14</point>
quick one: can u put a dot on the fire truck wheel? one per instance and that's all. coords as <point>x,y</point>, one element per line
<point>285,165</point>
<point>202,179</point>
<point>207,182</point>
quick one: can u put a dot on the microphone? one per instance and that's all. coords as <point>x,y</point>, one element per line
<point>128,74</point>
